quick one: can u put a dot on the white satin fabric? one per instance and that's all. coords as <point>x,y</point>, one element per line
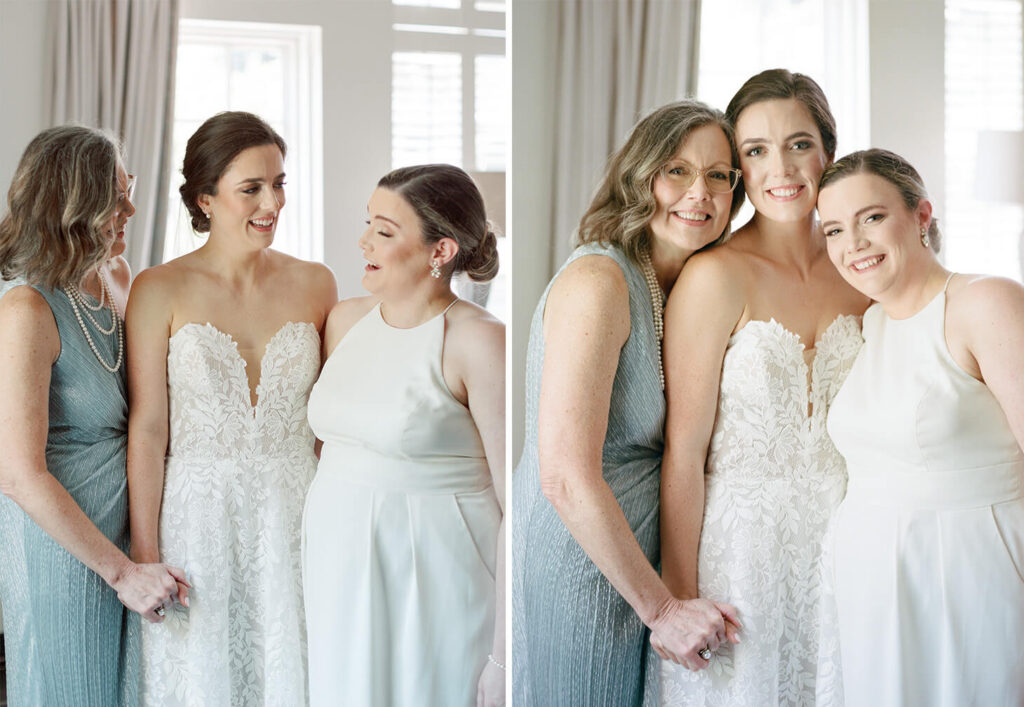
<point>928,546</point>
<point>400,527</point>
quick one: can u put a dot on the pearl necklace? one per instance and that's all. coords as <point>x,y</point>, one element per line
<point>79,305</point>
<point>657,307</point>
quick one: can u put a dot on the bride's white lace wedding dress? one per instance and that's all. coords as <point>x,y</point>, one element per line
<point>235,483</point>
<point>772,481</point>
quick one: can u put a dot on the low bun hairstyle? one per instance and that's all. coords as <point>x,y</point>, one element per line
<point>211,150</point>
<point>449,205</point>
<point>893,169</point>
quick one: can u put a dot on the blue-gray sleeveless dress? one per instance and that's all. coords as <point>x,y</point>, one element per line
<point>68,639</point>
<point>575,640</point>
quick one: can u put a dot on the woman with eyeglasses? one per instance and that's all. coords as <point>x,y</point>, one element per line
<point>69,641</point>
<point>759,335</point>
<point>585,592</point>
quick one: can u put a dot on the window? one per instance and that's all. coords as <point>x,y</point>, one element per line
<point>984,91</point>
<point>273,71</point>
<point>827,41</point>
<point>450,103</point>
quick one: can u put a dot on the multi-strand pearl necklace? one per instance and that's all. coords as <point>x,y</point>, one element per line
<point>657,307</point>
<point>79,305</point>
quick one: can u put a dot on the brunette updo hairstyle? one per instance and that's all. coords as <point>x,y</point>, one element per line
<point>893,169</point>
<point>449,205</point>
<point>59,207</point>
<point>775,84</point>
<point>211,150</point>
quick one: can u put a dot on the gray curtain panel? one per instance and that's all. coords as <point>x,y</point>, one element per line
<point>618,60</point>
<point>114,69</point>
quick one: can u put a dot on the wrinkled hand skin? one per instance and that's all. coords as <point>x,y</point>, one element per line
<point>684,627</point>
<point>144,587</point>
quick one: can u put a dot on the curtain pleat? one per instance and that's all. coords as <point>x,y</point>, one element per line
<point>114,69</point>
<point>618,60</point>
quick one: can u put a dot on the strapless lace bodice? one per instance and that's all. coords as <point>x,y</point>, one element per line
<point>234,484</point>
<point>773,479</point>
<point>211,416</point>
<point>770,424</point>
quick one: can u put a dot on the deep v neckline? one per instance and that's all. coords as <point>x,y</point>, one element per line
<point>810,387</point>
<point>255,395</point>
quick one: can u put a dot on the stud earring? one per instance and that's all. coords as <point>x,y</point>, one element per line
<point>435,270</point>
<point>925,240</point>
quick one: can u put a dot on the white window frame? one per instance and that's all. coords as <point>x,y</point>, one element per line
<point>476,28</point>
<point>304,103</point>
<point>466,31</point>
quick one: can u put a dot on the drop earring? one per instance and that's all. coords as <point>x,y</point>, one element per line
<point>435,270</point>
<point>925,240</point>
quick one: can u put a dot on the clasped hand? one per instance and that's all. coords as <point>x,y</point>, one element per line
<point>685,627</point>
<point>144,588</point>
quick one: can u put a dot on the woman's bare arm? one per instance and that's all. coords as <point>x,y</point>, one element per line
<point>586,324</point>
<point>29,346</point>
<point>477,346</point>
<point>147,327</point>
<point>701,313</point>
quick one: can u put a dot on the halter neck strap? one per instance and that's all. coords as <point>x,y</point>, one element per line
<point>944,287</point>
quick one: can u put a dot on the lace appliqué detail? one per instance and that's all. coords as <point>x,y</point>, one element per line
<point>773,480</point>
<point>235,483</point>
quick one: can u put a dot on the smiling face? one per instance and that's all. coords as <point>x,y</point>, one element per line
<point>782,158</point>
<point>688,218</point>
<point>122,212</point>
<point>250,195</point>
<point>873,239</point>
<point>393,246</point>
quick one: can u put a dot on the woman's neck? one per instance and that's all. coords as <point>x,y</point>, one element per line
<point>793,243</point>
<point>668,262</point>
<point>241,268</point>
<point>916,286</point>
<point>410,309</point>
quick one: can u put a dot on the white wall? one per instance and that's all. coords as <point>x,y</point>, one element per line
<point>907,82</point>
<point>25,78</point>
<point>533,27</point>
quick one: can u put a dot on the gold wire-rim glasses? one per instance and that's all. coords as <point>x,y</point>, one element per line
<point>718,179</point>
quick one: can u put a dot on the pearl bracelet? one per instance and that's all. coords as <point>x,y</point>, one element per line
<point>491,659</point>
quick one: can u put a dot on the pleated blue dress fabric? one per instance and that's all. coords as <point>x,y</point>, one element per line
<point>575,640</point>
<point>68,639</point>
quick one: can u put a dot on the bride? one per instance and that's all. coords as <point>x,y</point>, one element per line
<point>223,348</point>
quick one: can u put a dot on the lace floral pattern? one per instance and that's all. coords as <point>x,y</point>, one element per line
<point>773,480</point>
<point>235,483</point>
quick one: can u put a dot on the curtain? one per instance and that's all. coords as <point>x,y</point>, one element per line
<point>618,60</point>
<point>114,69</point>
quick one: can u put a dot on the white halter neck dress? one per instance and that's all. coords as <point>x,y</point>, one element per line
<point>400,527</point>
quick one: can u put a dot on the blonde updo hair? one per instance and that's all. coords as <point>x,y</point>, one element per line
<point>449,205</point>
<point>624,202</point>
<point>59,207</point>
<point>893,169</point>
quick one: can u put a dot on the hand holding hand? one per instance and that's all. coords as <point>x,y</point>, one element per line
<point>684,628</point>
<point>490,690</point>
<point>145,587</point>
